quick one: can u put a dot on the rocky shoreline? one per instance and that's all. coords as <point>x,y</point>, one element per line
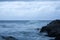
<point>52,29</point>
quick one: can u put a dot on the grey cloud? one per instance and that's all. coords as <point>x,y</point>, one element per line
<point>46,10</point>
<point>58,8</point>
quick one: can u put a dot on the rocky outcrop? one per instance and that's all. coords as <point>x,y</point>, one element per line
<point>8,38</point>
<point>52,29</point>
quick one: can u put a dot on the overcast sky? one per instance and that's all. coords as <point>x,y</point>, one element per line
<point>35,10</point>
<point>29,0</point>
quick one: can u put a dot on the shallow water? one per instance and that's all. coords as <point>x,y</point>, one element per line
<point>23,30</point>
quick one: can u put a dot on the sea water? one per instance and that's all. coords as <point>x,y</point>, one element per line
<point>23,29</point>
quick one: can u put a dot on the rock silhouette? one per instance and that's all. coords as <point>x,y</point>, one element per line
<point>52,29</point>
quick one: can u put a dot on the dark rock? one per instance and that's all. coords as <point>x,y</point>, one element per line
<point>38,29</point>
<point>9,38</point>
<point>43,29</point>
<point>57,37</point>
<point>52,29</point>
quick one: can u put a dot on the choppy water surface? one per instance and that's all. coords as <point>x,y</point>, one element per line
<point>23,29</point>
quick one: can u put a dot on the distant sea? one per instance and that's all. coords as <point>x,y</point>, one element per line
<point>23,29</point>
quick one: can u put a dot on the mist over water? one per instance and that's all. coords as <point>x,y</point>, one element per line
<point>23,29</point>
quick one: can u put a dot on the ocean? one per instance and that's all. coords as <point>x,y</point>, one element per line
<point>23,29</point>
